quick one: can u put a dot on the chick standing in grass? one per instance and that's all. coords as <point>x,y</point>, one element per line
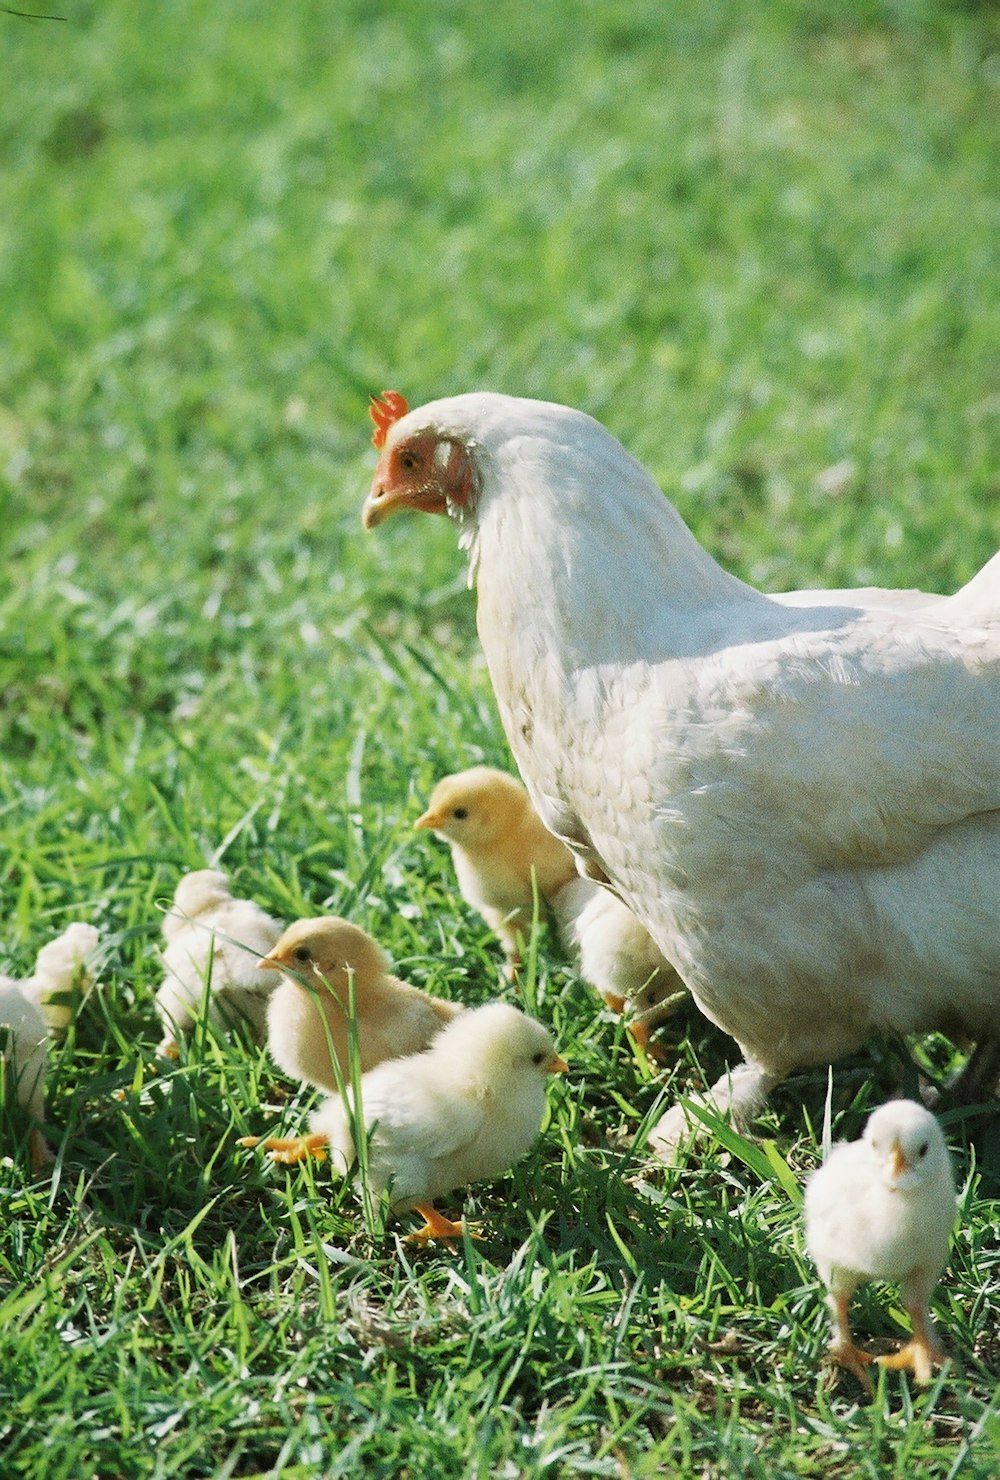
<point>882,1208</point>
<point>24,1057</point>
<point>497,842</point>
<point>210,934</point>
<point>36,1009</point>
<point>465,1110</point>
<point>59,967</point>
<point>309,1014</point>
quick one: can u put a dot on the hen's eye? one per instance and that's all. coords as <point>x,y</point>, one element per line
<point>409,461</point>
<point>460,812</point>
<point>302,954</point>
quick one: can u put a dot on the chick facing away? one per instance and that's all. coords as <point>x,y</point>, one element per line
<point>35,1010</point>
<point>465,1110</point>
<point>25,1055</point>
<point>61,966</point>
<point>882,1208</point>
<point>210,934</point>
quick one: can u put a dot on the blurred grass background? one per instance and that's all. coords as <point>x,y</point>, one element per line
<point>761,243</point>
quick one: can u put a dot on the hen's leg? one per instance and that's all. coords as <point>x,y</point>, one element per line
<point>741,1092</point>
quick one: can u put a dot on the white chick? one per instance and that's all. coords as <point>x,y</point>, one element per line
<point>882,1208</point>
<point>465,1110</point>
<point>25,1057</point>
<point>497,841</point>
<point>206,928</point>
<point>308,1015</point>
<point>59,966</point>
<point>617,955</point>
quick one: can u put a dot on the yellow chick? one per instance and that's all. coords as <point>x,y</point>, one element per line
<point>882,1208</point>
<point>497,840</point>
<point>59,966</point>
<point>307,1017</point>
<point>209,933</point>
<point>465,1110</point>
<point>25,1055</point>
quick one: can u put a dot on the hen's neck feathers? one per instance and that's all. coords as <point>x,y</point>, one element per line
<point>560,511</point>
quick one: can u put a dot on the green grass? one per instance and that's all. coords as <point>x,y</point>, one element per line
<point>761,243</point>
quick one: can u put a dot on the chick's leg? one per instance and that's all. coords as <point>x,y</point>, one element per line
<point>295,1149</point>
<point>436,1225</point>
<point>842,1348</point>
<point>39,1151</point>
<point>922,1351</point>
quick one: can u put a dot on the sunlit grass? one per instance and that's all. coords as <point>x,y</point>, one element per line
<point>760,242</point>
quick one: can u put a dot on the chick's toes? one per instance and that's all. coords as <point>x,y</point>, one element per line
<point>436,1225</point>
<point>917,1356</point>
<point>299,1148</point>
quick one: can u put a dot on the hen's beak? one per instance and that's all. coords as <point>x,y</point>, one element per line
<point>556,1065</point>
<point>378,505</point>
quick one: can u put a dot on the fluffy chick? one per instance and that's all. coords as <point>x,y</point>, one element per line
<point>465,1110</point>
<point>882,1208</point>
<point>497,840</point>
<point>25,1055</point>
<point>209,933</point>
<point>59,967</point>
<point>617,955</point>
<point>308,1014</point>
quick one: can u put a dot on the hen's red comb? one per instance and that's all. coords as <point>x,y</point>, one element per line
<point>384,410</point>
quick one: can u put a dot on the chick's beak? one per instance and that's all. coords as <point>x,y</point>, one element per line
<point>898,1163</point>
<point>268,963</point>
<point>429,819</point>
<point>556,1065</point>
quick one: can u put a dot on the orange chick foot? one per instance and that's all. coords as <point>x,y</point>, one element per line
<point>436,1225</point>
<point>854,1360</point>
<point>289,1152</point>
<point>917,1357</point>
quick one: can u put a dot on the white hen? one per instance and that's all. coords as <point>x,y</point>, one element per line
<point>210,934</point>
<point>800,802</point>
<point>883,1208</point>
<point>464,1110</point>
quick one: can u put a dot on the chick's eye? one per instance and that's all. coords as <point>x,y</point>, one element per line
<point>302,954</point>
<point>536,1058</point>
<point>924,1149</point>
<point>460,812</point>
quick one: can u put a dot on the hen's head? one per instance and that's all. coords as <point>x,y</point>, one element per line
<point>426,462</point>
<point>449,456</point>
